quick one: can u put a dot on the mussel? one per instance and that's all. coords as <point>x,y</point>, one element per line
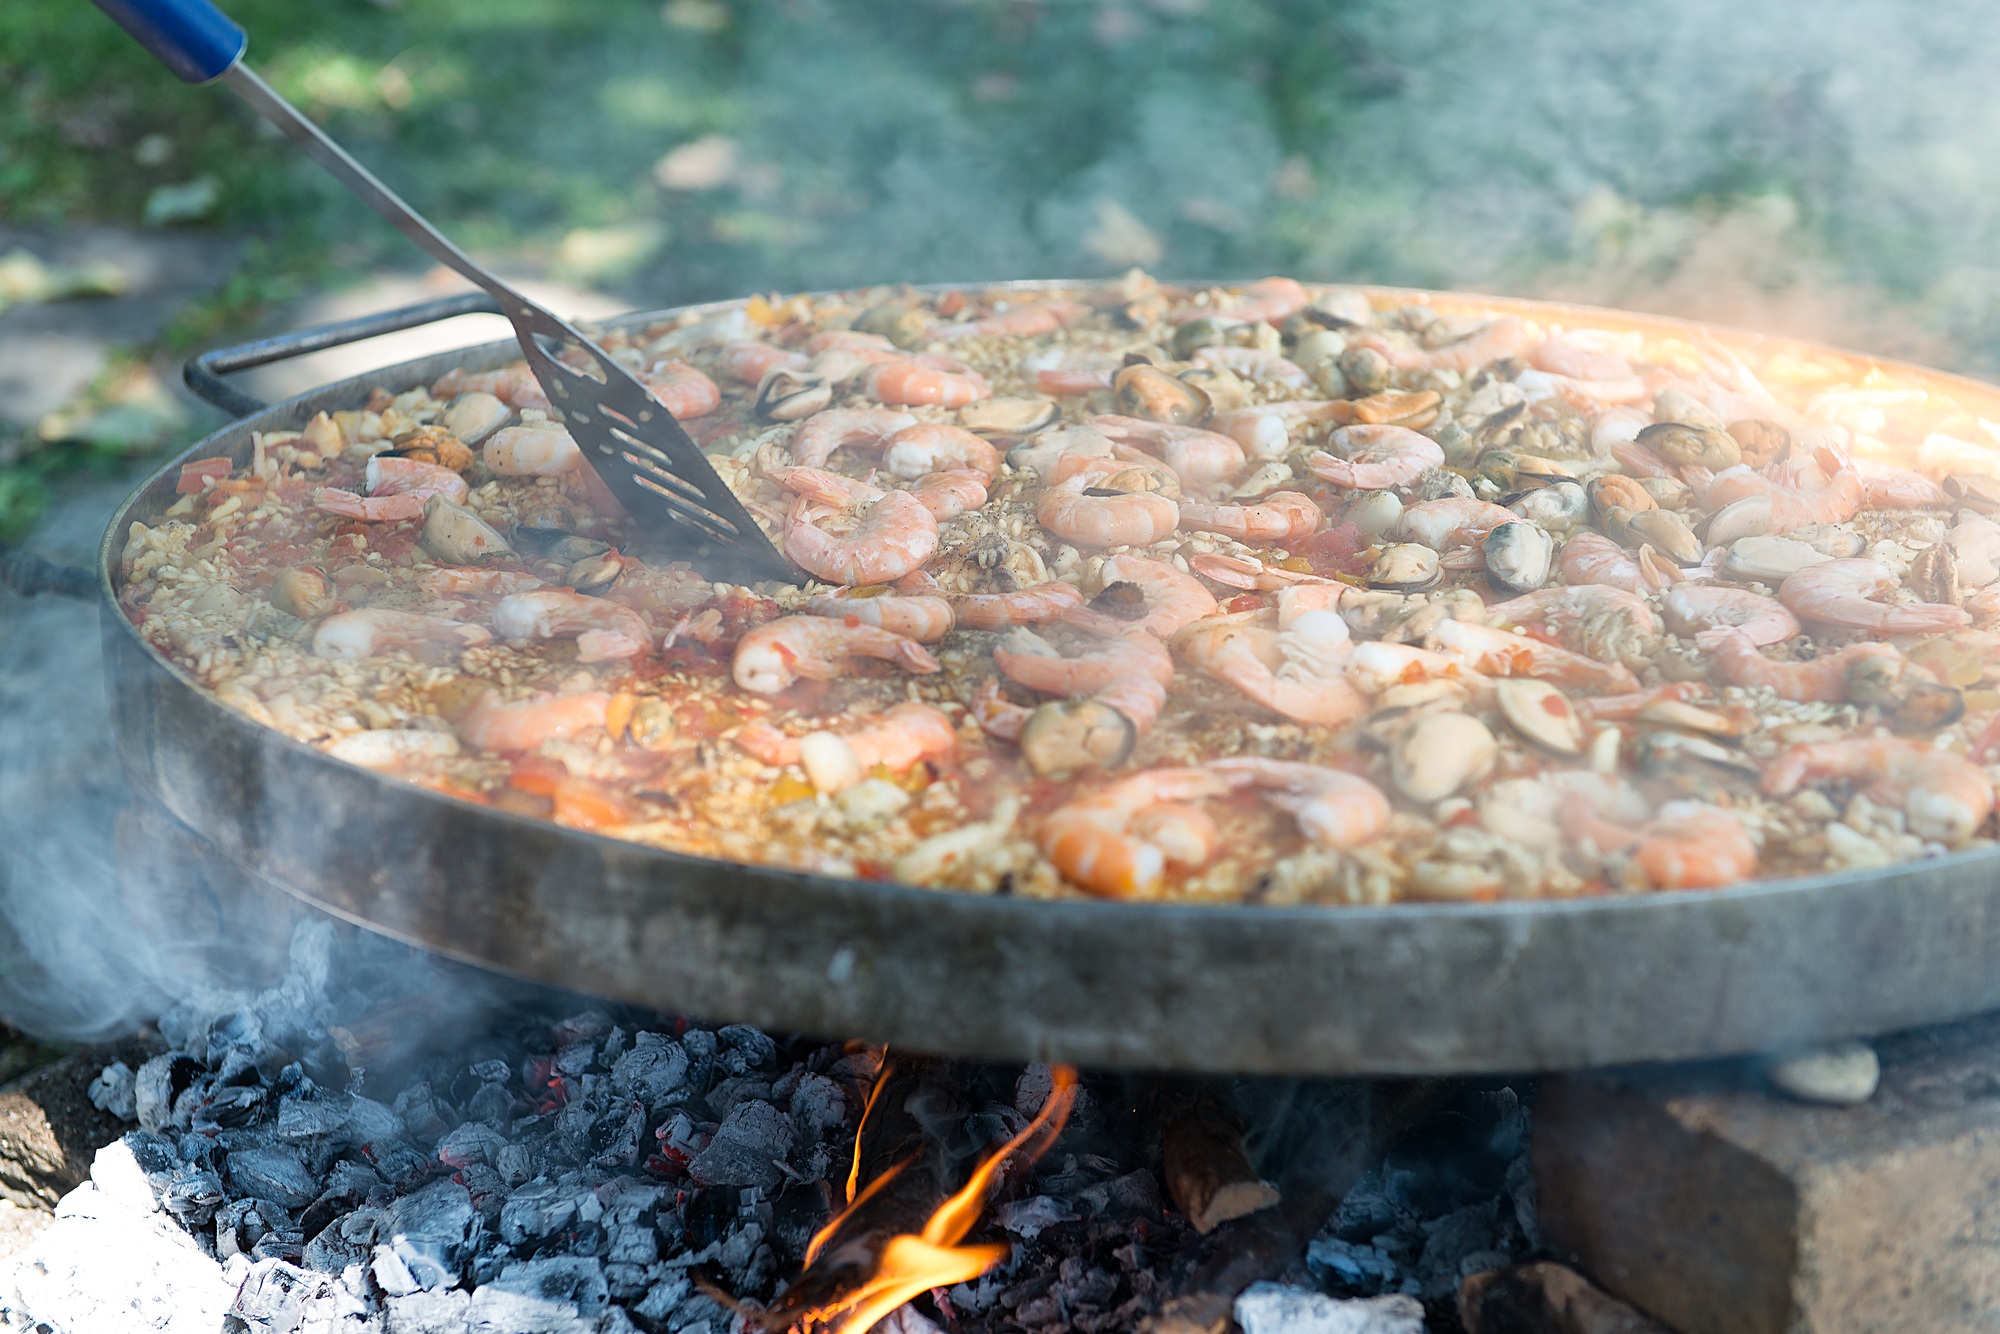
<point>1519,556</point>
<point>1701,446</point>
<point>905,326</point>
<point>1203,331</point>
<point>474,415</point>
<point>1540,713</point>
<point>457,536</point>
<point>594,574</point>
<point>1562,507</point>
<point>786,394</point>
<point>1063,736</point>
<point>1150,393</point>
<point>1762,442</point>
<point>1008,416</point>
<point>303,593</point>
<point>1405,567</point>
<point>1367,370</point>
<point>1438,754</point>
<point>557,544</point>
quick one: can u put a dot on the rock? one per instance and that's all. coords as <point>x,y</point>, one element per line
<point>1271,1308</point>
<point>50,1129</point>
<point>1547,1298</point>
<point>1838,1073</point>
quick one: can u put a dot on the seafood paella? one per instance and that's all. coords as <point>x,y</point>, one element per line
<point>1274,593</point>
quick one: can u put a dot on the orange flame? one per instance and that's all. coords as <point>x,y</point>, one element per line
<point>909,1265</point>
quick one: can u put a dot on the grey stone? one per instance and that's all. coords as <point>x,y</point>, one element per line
<point>1839,1074</point>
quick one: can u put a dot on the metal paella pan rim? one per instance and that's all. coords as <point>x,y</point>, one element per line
<point>1397,989</point>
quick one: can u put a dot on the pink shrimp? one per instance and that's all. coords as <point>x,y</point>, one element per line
<point>1887,488</point>
<point>849,340</point>
<point>1067,383</point>
<point>772,656</point>
<point>1503,653</point>
<point>1119,840</point>
<point>1172,599</point>
<point>1942,795</point>
<point>1137,698</point>
<point>1452,523</point>
<point>945,494</point>
<point>1266,430</point>
<point>397,489</point>
<point>1842,592</point>
<point>1539,385</point>
<point>1246,651</point>
<point>371,631</point>
<point>748,361</point>
<point>1694,609</point>
<point>1824,679</point>
<point>1821,487</point>
<point>1592,558</point>
<point>1335,809</point>
<point>1199,458</point>
<point>531,451</point>
<point>1688,845</point>
<point>1250,575</point>
<point>1134,519</point>
<point>1504,337</point>
<point>458,581</point>
<point>1025,606</point>
<point>1270,300</point>
<point>908,381</point>
<point>1023,321</point>
<point>603,630</point>
<point>1373,458</point>
<point>1562,604</point>
<point>682,389</point>
<point>1254,364</point>
<point>516,386</point>
<point>892,537</point>
<point>898,740</point>
<point>1283,518</point>
<point>526,723</point>
<point>1131,653</point>
<point>924,617</point>
<point>916,451</point>
<point>829,429</point>
<point>1616,426</point>
<point>1567,355</point>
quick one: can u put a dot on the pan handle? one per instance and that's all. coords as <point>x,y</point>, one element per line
<point>204,373</point>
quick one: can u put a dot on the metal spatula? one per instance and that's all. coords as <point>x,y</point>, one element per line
<point>633,442</point>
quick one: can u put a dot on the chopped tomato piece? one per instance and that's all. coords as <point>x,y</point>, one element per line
<point>196,473</point>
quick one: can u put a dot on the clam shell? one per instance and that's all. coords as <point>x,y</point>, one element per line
<point>1317,346</point>
<point>1519,556</point>
<point>1438,754</point>
<point>787,394</point>
<point>1008,416</point>
<point>474,416</point>
<point>1540,713</point>
<point>1690,718</point>
<point>1705,447</point>
<point>1749,516</point>
<point>1405,567</point>
<point>1041,450</point>
<point>1676,405</point>
<point>1150,393</point>
<point>1836,540</point>
<point>1933,575</point>
<point>457,536</point>
<point>1769,559</point>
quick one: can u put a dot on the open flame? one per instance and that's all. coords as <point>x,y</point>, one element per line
<point>911,1265</point>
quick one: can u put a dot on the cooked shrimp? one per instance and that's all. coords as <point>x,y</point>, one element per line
<point>1373,458</point>
<point>370,631</point>
<point>1134,519</point>
<point>831,428</point>
<point>1592,558</point>
<point>1692,609</point>
<point>849,340</point>
<point>1131,653</point>
<point>1137,698</point>
<point>1200,459</point>
<point>917,451</point>
<point>1561,604</point>
<point>458,581</point>
<point>1252,575</point>
<point>603,630</point>
<point>391,749</point>
<point>531,451</point>
<point>1503,653</point>
<point>1640,461</point>
<point>1942,795</point>
<point>1024,321</point>
<point>1266,430</point>
<point>924,617</point>
<point>945,494</point>
<point>1173,599</point>
<point>1071,383</point>
<point>1103,843</point>
<point>1025,606</point>
<point>1283,518</point>
<point>516,386</point>
<point>1821,487</point>
<point>1568,355</point>
<point>1825,679</point>
<point>1335,808</point>
<point>1247,652</point>
<point>1254,364</point>
<point>1842,592</point>
<point>1887,488</point>
<point>899,739</point>
<point>682,389</point>
<point>908,381</point>
<point>774,655</point>
<point>1688,845</point>
<point>997,715</point>
<point>1452,523</point>
<point>749,361</point>
<point>1504,337</point>
<point>527,723</point>
<point>1271,300</point>
<point>892,537</point>
<point>397,489</point>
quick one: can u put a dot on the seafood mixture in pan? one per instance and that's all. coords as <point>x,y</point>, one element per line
<point>1275,594</point>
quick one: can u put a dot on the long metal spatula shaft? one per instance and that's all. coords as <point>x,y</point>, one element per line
<point>634,443</point>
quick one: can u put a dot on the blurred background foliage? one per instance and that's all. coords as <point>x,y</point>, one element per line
<point>1826,170</point>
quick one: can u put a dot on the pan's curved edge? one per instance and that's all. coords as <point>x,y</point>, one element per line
<point>1405,989</point>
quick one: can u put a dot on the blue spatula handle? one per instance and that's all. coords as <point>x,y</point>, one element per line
<point>192,38</point>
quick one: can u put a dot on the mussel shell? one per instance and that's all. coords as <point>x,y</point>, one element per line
<point>594,574</point>
<point>474,415</point>
<point>1226,389</point>
<point>556,544</point>
<point>1540,713</point>
<point>1746,516</point>
<point>457,536</point>
<point>1664,531</point>
<point>1405,567</point>
<point>1064,736</point>
<point>1974,491</point>
<point>1701,446</point>
<point>1677,405</point>
<point>1367,370</point>
<point>1203,331</point>
<point>1926,708</point>
<point>1519,556</point>
<point>653,725</point>
<point>1439,753</point>
<point>1135,478</point>
<point>1561,507</point>
<point>303,593</point>
<point>1150,393</point>
<point>787,394</point>
<point>1615,491</point>
<point>1008,416</point>
<point>1317,346</point>
<point>905,326</point>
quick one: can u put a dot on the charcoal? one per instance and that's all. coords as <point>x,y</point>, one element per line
<point>624,1281</point>
<point>329,1252</point>
<point>818,1107</point>
<point>192,1195</point>
<point>156,1156</point>
<point>655,1069</point>
<point>576,1058</point>
<point>400,1165</point>
<point>156,1086</point>
<point>727,1094</point>
<point>699,1314</point>
<point>631,1243</point>
<point>441,1312</point>
<point>305,1118</point>
<point>491,1071</point>
<point>433,1232</point>
<point>514,1163</point>
<point>424,1120</point>
<point>229,1108</point>
<point>112,1091</point>
<point>1450,1241</point>
<point>620,1141</point>
<point>493,1104</point>
<point>613,1048</point>
<point>745,1049</point>
<point>1352,1268</point>
<point>578,1283</point>
<point>277,1297</point>
<point>663,1297</point>
<point>1029,1218</point>
<point>391,1274</point>
<point>273,1174</point>
<point>470,1143</point>
<point>537,1210</point>
<point>368,1120</point>
<point>746,1148</point>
